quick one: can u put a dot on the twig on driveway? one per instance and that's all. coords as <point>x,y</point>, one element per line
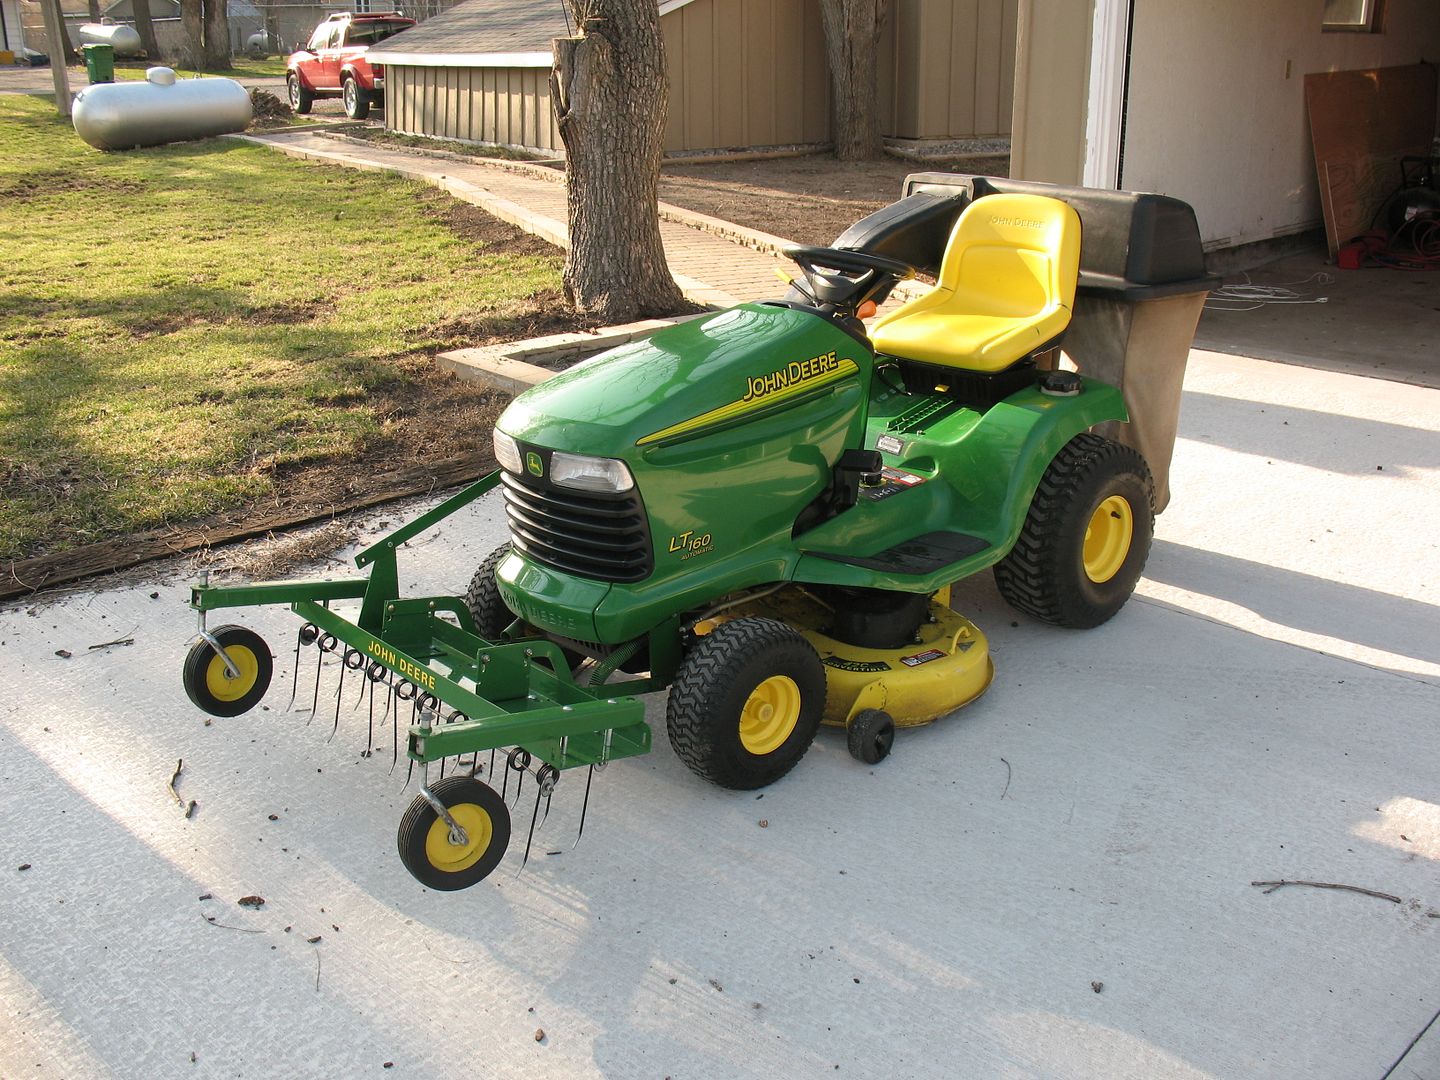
<point>179,768</point>
<point>226,926</point>
<point>1008,773</point>
<point>1271,886</point>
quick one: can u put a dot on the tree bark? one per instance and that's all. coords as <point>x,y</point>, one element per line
<point>852,46</point>
<point>145,27</point>
<point>192,19</point>
<point>609,89</point>
<point>217,35</point>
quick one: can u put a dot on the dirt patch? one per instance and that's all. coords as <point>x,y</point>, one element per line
<point>475,225</point>
<point>810,200</point>
<point>39,184</point>
<point>268,109</point>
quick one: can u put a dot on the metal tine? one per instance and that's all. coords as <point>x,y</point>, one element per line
<point>370,722</point>
<point>326,645</point>
<point>584,807</point>
<point>505,779</point>
<point>539,791</point>
<point>339,691</point>
<point>295,683</point>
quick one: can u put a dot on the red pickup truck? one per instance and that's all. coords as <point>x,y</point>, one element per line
<point>333,63</point>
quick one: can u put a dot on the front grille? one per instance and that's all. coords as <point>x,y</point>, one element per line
<point>593,535</point>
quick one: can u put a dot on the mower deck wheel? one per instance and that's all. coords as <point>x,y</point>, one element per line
<point>208,681</point>
<point>482,598</point>
<point>1086,537</point>
<point>869,736</point>
<point>746,703</point>
<point>431,853</point>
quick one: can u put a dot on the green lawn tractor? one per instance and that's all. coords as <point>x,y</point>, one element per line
<point>763,511</point>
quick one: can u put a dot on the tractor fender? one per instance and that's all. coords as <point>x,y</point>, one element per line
<point>976,476</point>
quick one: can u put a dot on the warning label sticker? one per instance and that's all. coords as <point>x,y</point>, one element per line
<point>925,657</point>
<point>892,482</point>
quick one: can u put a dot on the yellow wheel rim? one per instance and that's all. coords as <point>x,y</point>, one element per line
<point>452,858</point>
<point>218,681</point>
<point>770,715</point>
<point>1108,538</point>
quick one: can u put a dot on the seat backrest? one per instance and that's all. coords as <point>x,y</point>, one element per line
<point>1013,256</point>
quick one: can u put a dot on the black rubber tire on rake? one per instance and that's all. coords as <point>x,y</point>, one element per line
<point>480,800</point>
<point>1044,574</point>
<point>482,598</point>
<point>717,678</point>
<point>198,666</point>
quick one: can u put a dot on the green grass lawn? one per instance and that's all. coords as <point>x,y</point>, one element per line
<point>241,68</point>
<point>185,330</point>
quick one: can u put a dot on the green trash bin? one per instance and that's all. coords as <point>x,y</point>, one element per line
<point>100,63</point>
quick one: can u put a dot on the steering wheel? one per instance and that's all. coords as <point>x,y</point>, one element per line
<point>843,289</point>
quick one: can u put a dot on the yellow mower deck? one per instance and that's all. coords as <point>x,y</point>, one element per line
<point>947,667</point>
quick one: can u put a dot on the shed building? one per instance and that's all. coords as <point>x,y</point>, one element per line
<point>743,73</point>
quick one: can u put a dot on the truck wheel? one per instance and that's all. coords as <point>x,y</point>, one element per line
<point>300,98</point>
<point>431,853</point>
<point>357,102</point>
<point>1086,537</point>
<point>482,598</point>
<point>746,703</point>
<point>208,681</point>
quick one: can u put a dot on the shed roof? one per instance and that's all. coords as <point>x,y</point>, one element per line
<point>486,33</point>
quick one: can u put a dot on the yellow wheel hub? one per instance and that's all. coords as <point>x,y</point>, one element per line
<point>770,715</point>
<point>1108,538</point>
<point>453,858</point>
<point>218,680</point>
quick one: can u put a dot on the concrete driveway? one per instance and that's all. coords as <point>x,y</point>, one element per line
<point>1054,882</point>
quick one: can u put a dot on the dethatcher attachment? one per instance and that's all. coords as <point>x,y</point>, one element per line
<point>459,695</point>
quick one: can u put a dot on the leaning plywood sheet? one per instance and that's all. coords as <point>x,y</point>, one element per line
<point>1361,124</point>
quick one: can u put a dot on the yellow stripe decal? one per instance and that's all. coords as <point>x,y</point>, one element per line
<point>751,402</point>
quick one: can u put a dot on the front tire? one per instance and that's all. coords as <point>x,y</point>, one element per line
<point>357,102</point>
<point>208,682</point>
<point>427,848</point>
<point>746,703</point>
<point>483,600</point>
<point>1086,537</point>
<point>300,98</point>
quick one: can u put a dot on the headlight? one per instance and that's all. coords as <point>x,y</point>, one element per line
<point>507,452</point>
<point>589,473</point>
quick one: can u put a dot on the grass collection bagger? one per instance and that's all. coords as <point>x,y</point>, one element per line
<point>763,510</point>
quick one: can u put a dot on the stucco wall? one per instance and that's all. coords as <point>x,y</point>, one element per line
<point>1217,104</point>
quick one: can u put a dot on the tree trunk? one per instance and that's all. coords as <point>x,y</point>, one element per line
<point>145,27</point>
<point>193,20</point>
<point>609,90</point>
<point>217,35</point>
<point>94,6</point>
<point>852,46</point>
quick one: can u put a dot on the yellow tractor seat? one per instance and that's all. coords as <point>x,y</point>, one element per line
<point>1006,287</point>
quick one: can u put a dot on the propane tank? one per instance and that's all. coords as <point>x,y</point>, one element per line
<point>121,116</point>
<point>123,39</point>
<point>257,45</point>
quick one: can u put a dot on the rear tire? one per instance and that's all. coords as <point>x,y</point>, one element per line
<point>357,101</point>
<point>1086,537</point>
<point>746,703</point>
<point>482,598</point>
<point>300,98</point>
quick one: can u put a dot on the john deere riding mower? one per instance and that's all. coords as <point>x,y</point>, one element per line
<point>763,511</point>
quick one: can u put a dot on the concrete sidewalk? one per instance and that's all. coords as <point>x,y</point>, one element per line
<point>715,262</point>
